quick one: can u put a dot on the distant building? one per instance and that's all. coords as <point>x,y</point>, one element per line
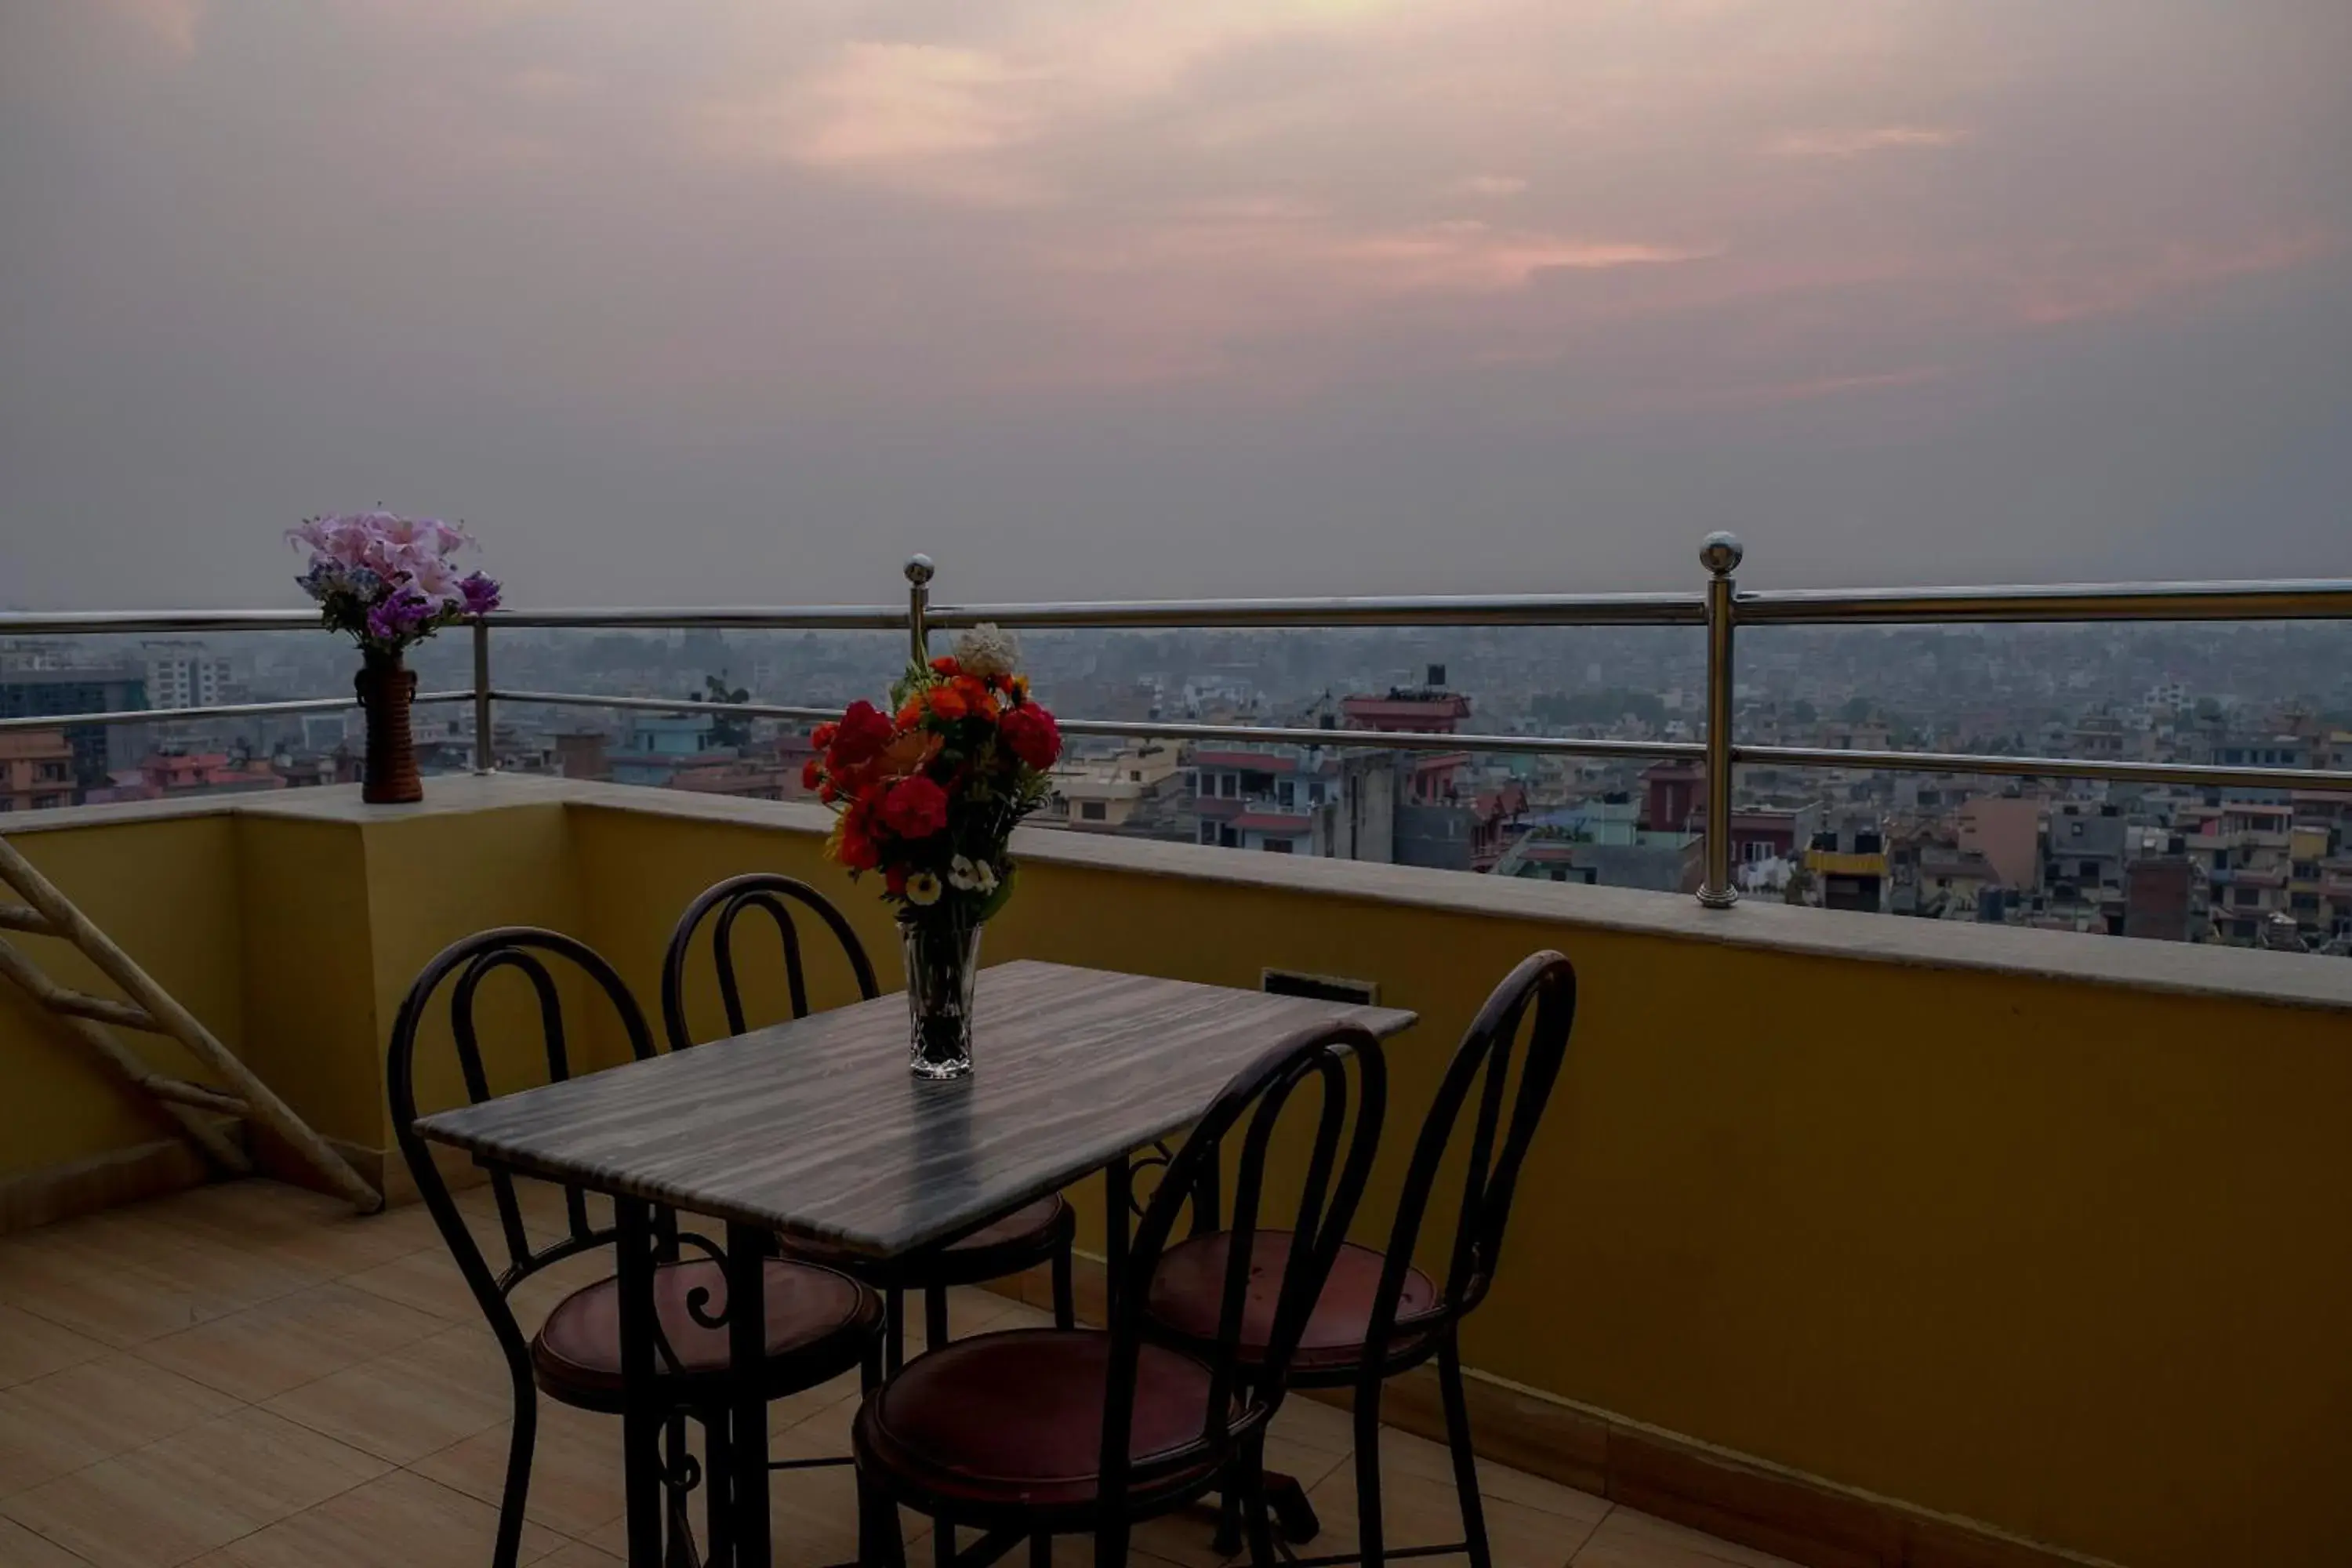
<point>37,770</point>
<point>59,691</point>
<point>2007,831</point>
<point>1137,791</point>
<point>174,776</point>
<point>658,744</point>
<point>2159,897</point>
<point>1849,867</point>
<point>183,674</point>
<point>579,755</point>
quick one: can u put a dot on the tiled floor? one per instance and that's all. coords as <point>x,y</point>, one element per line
<point>248,1377</point>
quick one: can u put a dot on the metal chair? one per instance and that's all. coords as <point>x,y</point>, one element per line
<point>1038,1432</point>
<point>1037,1233</point>
<point>821,1322</point>
<point>1378,1315</point>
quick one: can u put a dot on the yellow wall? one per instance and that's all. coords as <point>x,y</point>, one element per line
<point>165,890</point>
<point>2055,1257</point>
<point>2061,1257</point>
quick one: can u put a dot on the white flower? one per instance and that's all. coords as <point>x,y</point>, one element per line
<point>922,889</point>
<point>962,875</point>
<point>987,877</point>
<point>987,649</point>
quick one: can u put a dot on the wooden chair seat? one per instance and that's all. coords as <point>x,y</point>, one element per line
<point>1013,1421</point>
<point>1190,1283</point>
<point>820,1324</point>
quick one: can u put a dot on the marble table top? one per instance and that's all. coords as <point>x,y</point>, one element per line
<point>815,1128</point>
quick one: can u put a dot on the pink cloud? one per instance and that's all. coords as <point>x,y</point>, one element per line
<point>1854,143</point>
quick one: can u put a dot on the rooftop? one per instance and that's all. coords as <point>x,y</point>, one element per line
<point>246,1375</point>
<point>1941,1304</point>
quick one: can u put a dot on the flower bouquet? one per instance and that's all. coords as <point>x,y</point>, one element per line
<point>388,582</point>
<point>928,794</point>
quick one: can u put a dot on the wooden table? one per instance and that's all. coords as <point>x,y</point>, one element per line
<point>814,1129</point>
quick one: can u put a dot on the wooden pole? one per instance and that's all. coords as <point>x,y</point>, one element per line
<point>180,1024</point>
<point>200,1127</point>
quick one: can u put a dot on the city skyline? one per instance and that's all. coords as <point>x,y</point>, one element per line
<point>737,305</point>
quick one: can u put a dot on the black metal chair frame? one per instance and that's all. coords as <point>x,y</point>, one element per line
<point>474,960</point>
<point>932,1271</point>
<point>1242,1397</point>
<point>1547,981</point>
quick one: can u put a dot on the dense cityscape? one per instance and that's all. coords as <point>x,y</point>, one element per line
<point>2250,867</point>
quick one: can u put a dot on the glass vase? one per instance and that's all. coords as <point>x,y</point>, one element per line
<point>943,960</point>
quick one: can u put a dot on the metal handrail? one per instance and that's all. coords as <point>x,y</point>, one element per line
<point>1720,607</point>
<point>225,711</point>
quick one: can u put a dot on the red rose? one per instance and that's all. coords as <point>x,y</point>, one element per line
<point>822,736</point>
<point>1031,734</point>
<point>915,808</point>
<point>810,773</point>
<point>864,729</point>
<point>944,665</point>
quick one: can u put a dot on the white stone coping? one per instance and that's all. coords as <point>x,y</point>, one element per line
<point>2295,980</point>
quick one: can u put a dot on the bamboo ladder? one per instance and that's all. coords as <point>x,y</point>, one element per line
<point>90,1020</point>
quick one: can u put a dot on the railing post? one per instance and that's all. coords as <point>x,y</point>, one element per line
<point>919,605</point>
<point>485,753</point>
<point>1720,553</point>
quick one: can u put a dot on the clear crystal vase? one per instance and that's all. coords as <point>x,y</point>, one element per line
<point>942,960</point>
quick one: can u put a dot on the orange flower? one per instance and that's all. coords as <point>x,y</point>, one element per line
<point>947,702</point>
<point>946,665</point>
<point>976,695</point>
<point>912,713</point>
<point>909,754</point>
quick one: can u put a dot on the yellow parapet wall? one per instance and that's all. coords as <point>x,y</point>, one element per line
<point>2047,1236</point>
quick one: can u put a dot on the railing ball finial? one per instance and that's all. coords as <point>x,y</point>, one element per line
<point>1721,553</point>
<point>919,569</point>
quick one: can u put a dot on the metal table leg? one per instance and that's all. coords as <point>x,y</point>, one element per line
<point>641,1418</point>
<point>747,1415</point>
<point>1118,1213</point>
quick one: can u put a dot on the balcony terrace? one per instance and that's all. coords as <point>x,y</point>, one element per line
<point>1850,1240</point>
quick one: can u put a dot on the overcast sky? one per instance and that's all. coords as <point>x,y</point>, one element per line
<point>688,302</point>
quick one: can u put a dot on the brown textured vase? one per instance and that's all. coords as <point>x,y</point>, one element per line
<point>387,690</point>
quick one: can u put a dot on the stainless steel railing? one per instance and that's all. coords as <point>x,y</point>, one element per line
<point>1720,609</point>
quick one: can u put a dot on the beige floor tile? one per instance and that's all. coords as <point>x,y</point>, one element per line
<point>1628,1538</point>
<point>205,1488</point>
<point>56,1424</point>
<point>579,1554</point>
<point>20,1548</point>
<point>1310,1423</point>
<point>575,1473</point>
<point>536,1297</point>
<point>33,1347</point>
<point>427,1280</point>
<point>281,1344</point>
<point>416,1401</point>
<point>830,1404</point>
<point>399,1521</point>
<point>1402,1453</point>
<point>1415,1512</point>
<point>100,1291</point>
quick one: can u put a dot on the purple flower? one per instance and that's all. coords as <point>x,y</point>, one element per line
<point>478,594</point>
<point>398,618</point>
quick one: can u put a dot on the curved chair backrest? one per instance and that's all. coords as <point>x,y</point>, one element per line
<point>1242,1400</point>
<point>1546,982</point>
<point>525,950</point>
<point>768,892</point>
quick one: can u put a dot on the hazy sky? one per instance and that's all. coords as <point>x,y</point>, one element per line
<point>688,302</point>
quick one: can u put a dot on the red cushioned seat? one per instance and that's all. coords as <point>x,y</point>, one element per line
<point>819,1323</point>
<point>1005,1245</point>
<point>1016,1420</point>
<point>1188,1291</point>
